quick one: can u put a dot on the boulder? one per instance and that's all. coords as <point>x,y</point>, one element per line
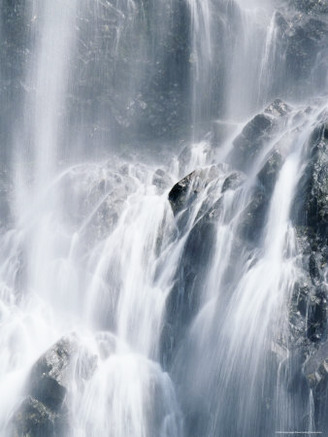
<point>257,133</point>
<point>185,192</point>
<point>34,419</point>
<point>179,194</point>
<point>51,373</point>
<point>44,412</point>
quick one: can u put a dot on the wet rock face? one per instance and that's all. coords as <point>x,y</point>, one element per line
<point>44,411</point>
<point>233,181</point>
<point>309,309</point>
<point>255,213</point>
<point>308,312</point>
<point>314,6</point>
<point>209,186</point>
<point>256,133</point>
<point>253,217</point>
<point>316,372</point>
<point>50,374</point>
<point>269,173</point>
<point>304,42</point>
<point>34,419</point>
<point>308,306</point>
<point>311,204</point>
<point>178,196</point>
<point>204,185</point>
<point>302,31</point>
<point>317,196</point>
<point>184,193</point>
<point>184,300</point>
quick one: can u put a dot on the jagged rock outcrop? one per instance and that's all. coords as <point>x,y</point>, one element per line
<point>180,193</point>
<point>207,186</point>
<point>202,186</point>
<point>184,193</point>
<point>309,309</point>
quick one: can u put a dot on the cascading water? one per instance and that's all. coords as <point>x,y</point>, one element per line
<point>135,305</point>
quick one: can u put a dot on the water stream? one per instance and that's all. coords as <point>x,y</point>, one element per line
<point>175,316</point>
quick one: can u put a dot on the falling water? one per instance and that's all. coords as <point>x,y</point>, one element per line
<point>132,305</point>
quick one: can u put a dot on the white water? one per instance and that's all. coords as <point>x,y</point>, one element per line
<point>93,249</point>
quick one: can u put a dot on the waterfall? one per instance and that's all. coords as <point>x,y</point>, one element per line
<point>163,218</point>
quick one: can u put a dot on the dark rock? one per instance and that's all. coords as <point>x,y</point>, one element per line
<point>298,313</point>
<point>44,411</point>
<point>304,42</point>
<point>311,6</point>
<point>256,133</point>
<point>314,269</point>
<point>269,173</point>
<point>317,316</point>
<point>179,194</point>
<point>233,181</point>
<point>253,217</point>
<point>302,38</point>
<point>315,367</point>
<point>308,313</point>
<point>51,373</point>
<point>316,372</point>
<point>183,301</point>
<point>311,206</point>
<point>184,193</point>
<point>34,419</point>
